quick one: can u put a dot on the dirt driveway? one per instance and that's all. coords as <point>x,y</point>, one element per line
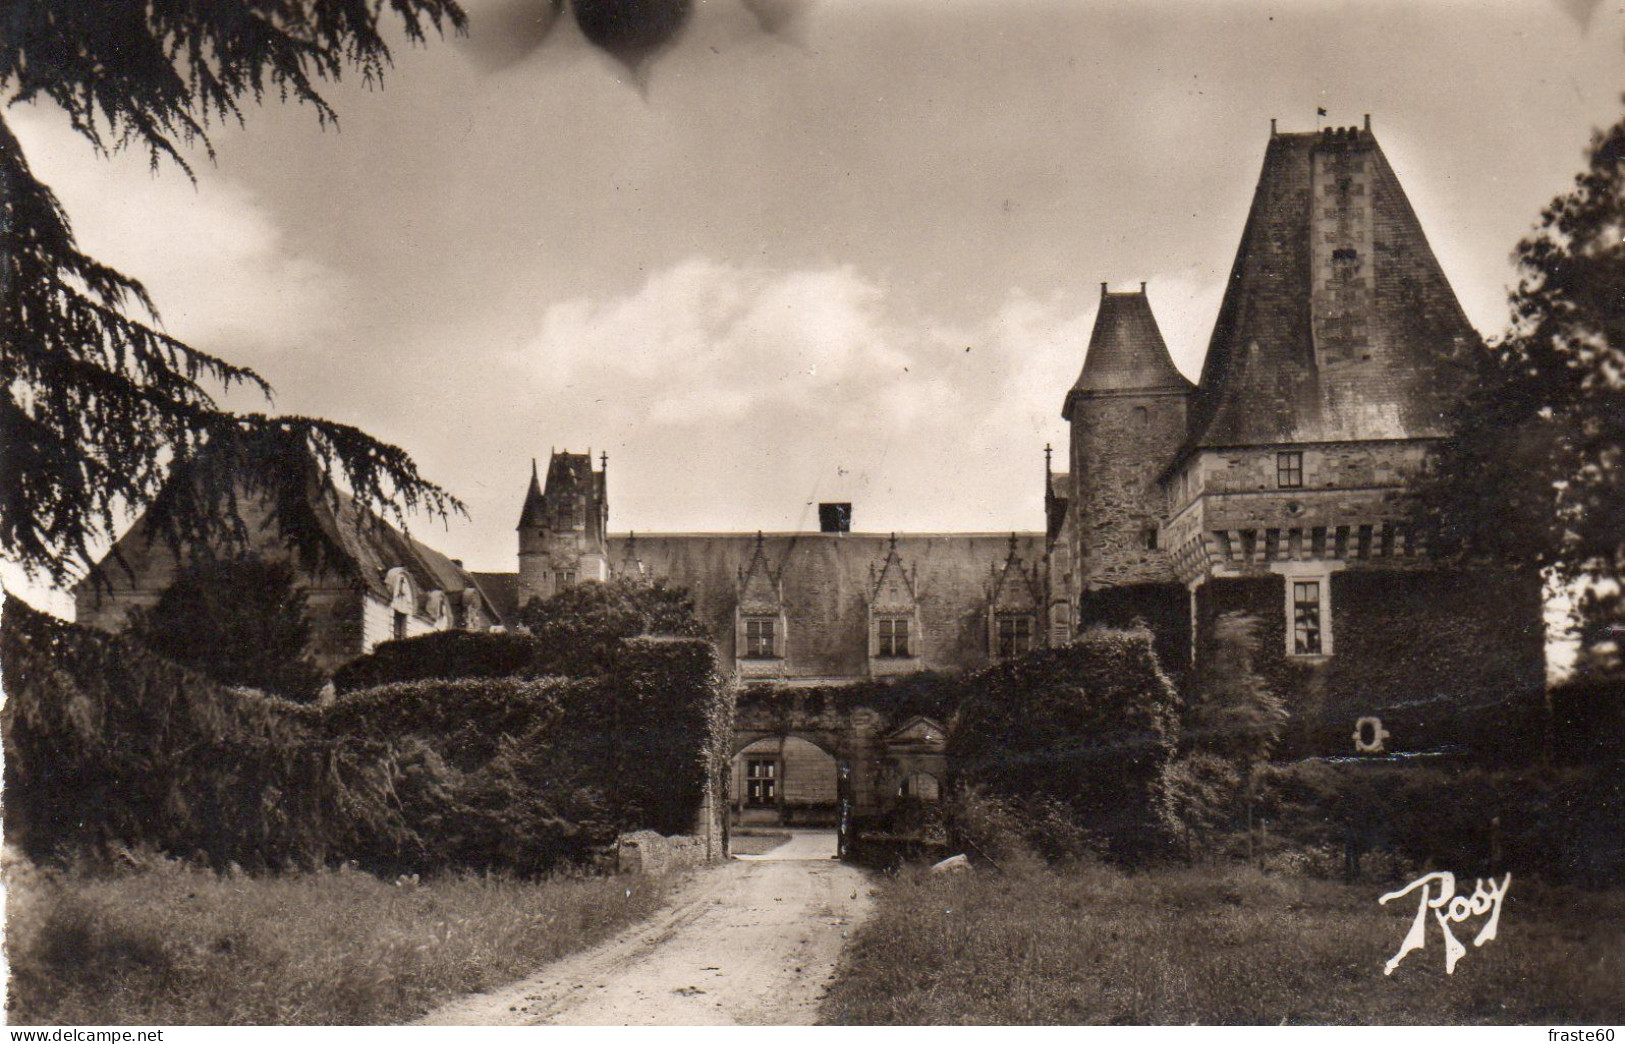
<point>751,942</point>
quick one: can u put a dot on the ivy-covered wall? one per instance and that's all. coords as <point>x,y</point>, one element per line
<point>1164,608</point>
<point>1447,659</point>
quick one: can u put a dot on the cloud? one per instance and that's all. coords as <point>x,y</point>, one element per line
<point>224,277</point>
<point>761,381</point>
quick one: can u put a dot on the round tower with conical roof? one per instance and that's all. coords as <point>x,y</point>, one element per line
<point>1127,411</point>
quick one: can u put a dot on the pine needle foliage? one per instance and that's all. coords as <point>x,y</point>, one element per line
<point>97,404</point>
<point>154,74</point>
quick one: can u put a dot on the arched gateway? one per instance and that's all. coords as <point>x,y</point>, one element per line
<point>800,759</point>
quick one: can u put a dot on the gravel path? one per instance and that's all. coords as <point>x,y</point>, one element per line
<point>751,942</point>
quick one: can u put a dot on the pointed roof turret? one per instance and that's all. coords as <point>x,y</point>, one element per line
<point>1126,351</point>
<point>1337,322</point>
<point>535,509</point>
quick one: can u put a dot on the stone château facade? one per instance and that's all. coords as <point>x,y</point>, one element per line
<point>1276,486</point>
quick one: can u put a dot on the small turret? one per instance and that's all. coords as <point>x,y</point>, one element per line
<point>1127,411</point>
<point>562,527</point>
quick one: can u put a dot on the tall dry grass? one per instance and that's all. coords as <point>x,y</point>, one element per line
<point>1091,945</point>
<point>171,944</point>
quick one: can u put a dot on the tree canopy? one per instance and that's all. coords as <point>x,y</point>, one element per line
<point>242,623</point>
<point>1534,476</point>
<point>100,410</point>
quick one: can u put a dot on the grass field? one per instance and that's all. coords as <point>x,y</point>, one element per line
<point>1091,945</point>
<point>179,946</point>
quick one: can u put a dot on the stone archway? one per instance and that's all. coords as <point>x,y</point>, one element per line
<point>786,779</point>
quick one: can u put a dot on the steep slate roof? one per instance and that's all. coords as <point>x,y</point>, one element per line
<point>825,580</point>
<point>501,592</point>
<point>535,510</point>
<point>1261,381</point>
<point>1126,351</point>
<point>367,552</point>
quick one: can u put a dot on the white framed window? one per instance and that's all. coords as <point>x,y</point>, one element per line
<point>1308,616</point>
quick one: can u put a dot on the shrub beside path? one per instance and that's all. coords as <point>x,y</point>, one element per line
<point>752,942</point>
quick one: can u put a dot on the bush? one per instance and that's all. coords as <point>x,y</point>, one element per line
<point>108,745</point>
<point>241,622</point>
<point>1565,825</point>
<point>580,630</point>
<point>579,633</point>
<point>1090,725</point>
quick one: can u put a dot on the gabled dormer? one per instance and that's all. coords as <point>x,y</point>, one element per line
<point>895,636</point>
<point>631,567</point>
<point>1015,598</point>
<point>759,618</point>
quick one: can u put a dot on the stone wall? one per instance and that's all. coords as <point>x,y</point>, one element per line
<point>1120,444</point>
<point>826,582</point>
<point>646,852</point>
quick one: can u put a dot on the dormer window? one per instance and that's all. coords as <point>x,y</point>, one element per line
<point>892,637</point>
<point>760,638</point>
<point>1015,634</point>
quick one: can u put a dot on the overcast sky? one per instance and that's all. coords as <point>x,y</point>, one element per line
<point>855,260</point>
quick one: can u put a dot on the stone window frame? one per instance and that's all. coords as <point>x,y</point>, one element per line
<point>1004,650</point>
<point>763,644</point>
<point>1289,469</point>
<point>887,634</point>
<point>1060,623</point>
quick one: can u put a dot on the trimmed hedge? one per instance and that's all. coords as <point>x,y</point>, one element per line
<point>1090,726</point>
<point>443,654</point>
<point>106,744</point>
<point>579,633</point>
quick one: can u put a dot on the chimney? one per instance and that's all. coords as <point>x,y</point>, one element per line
<point>835,518</point>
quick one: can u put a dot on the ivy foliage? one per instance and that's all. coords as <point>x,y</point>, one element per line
<point>1090,725</point>
<point>107,744</point>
